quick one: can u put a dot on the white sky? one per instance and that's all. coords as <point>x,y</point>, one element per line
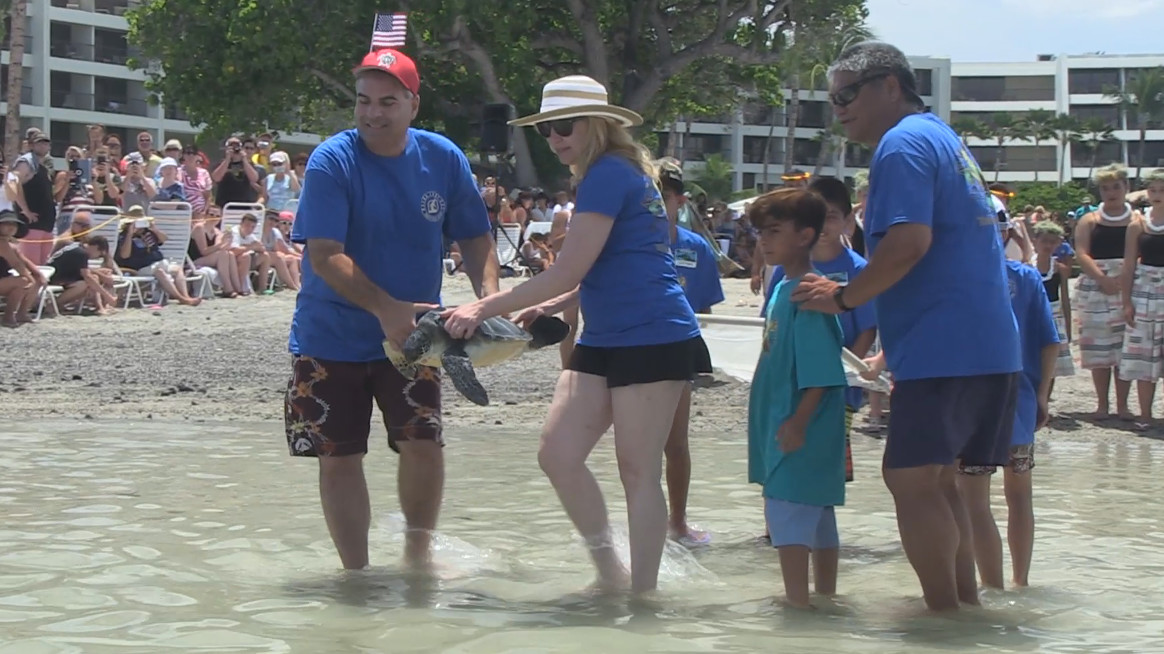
<point>1017,30</point>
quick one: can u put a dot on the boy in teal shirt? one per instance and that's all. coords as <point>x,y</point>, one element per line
<point>796,411</point>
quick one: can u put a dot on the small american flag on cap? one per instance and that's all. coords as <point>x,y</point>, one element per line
<point>388,31</point>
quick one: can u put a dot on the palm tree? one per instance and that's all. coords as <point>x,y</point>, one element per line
<point>1142,97</point>
<point>813,48</point>
<point>1067,130</point>
<point>970,128</point>
<point>1038,124</point>
<point>1003,128</point>
<point>1094,132</point>
<point>832,141</point>
<point>12,135</point>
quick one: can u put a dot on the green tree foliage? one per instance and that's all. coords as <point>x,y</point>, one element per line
<point>1049,195</point>
<point>285,64</point>
<point>716,177</point>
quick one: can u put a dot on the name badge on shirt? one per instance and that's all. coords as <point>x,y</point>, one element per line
<point>841,277</point>
<point>686,258</point>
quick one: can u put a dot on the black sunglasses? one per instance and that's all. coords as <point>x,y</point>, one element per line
<point>563,127</point>
<point>845,95</point>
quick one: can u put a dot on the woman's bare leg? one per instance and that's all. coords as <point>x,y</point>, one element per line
<point>642,421</point>
<point>579,415</point>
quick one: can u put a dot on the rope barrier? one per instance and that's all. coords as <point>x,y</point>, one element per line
<point>173,220</point>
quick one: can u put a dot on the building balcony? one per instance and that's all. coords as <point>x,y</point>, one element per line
<point>111,54</point>
<point>116,105</point>
<point>25,94</point>
<point>66,99</point>
<point>71,50</point>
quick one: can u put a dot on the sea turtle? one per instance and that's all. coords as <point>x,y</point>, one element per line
<point>494,341</point>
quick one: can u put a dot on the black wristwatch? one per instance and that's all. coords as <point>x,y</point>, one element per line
<point>838,297</point>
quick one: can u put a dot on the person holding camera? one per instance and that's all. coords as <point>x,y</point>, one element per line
<point>106,180</point>
<point>138,187</point>
<point>236,177</point>
<point>139,249</point>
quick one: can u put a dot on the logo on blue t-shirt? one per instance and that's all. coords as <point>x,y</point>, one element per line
<point>432,205</point>
<point>686,258</point>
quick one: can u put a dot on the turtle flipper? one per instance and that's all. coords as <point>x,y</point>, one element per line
<point>408,370</point>
<point>546,331</point>
<point>460,370</point>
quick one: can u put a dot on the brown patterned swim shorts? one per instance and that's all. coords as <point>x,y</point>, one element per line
<point>328,409</point>
<point>1022,459</point>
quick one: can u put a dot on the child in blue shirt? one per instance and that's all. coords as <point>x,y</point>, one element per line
<point>1039,339</point>
<point>796,410</point>
<point>833,259</point>
<point>698,271</point>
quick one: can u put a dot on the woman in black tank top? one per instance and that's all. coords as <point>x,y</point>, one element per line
<point>1142,355</point>
<point>1100,244</point>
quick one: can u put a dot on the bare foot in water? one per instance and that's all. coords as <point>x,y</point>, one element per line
<point>689,536</point>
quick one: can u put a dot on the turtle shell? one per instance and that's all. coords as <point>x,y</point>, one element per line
<point>500,329</point>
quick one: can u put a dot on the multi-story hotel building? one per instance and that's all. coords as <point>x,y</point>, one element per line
<point>1074,85</point>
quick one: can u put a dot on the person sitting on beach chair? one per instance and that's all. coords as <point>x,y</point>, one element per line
<point>536,253</point>
<point>138,249</point>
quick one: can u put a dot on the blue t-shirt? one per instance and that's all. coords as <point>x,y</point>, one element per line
<point>862,318</point>
<point>391,214</point>
<point>697,268</point>
<point>950,315</point>
<point>631,295</point>
<point>801,350</point>
<point>1037,330</point>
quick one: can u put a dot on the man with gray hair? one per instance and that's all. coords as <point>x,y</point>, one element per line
<point>937,277</point>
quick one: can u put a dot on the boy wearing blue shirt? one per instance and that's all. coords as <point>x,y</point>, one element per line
<point>698,271</point>
<point>796,410</point>
<point>1039,339</point>
<point>835,261</point>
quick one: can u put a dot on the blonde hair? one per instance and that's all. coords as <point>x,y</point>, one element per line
<point>1115,172</point>
<point>1154,176</point>
<point>605,136</point>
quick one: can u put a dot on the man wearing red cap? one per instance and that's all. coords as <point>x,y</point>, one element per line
<point>377,203</point>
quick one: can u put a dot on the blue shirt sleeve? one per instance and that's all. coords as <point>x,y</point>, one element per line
<point>324,210</point>
<point>708,289</point>
<point>864,316</point>
<point>817,350</point>
<point>467,216</point>
<point>605,188</point>
<point>905,193</point>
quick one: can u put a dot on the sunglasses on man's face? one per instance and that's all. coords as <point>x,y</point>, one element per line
<point>846,95</point>
<point>563,127</point>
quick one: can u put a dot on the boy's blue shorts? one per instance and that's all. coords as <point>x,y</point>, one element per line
<point>792,523</point>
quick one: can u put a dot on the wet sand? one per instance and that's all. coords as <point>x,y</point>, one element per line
<point>227,361</point>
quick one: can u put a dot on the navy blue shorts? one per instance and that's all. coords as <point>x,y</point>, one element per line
<point>945,419</point>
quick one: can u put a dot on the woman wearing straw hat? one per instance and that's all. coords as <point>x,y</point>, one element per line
<point>640,344</point>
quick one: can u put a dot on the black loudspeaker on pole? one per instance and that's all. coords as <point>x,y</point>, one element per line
<point>495,131</point>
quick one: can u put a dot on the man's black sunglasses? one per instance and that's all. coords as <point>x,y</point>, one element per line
<point>563,127</point>
<point>845,95</point>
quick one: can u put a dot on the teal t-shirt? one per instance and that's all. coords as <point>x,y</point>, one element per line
<point>801,350</point>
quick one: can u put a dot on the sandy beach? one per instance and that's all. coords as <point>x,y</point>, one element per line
<point>227,361</point>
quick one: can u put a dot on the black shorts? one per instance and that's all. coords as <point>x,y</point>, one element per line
<point>643,364</point>
<point>946,419</point>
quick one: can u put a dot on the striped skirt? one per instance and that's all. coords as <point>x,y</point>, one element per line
<point>1142,358</point>
<point>1101,320</point>
<point>1064,365</point>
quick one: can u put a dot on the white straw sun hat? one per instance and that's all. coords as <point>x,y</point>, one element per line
<point>575,96</point>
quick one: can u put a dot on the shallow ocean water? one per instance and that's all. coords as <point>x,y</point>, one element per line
<point>158,536</point>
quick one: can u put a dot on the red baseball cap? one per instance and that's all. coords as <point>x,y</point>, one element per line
<point>393,62</point>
